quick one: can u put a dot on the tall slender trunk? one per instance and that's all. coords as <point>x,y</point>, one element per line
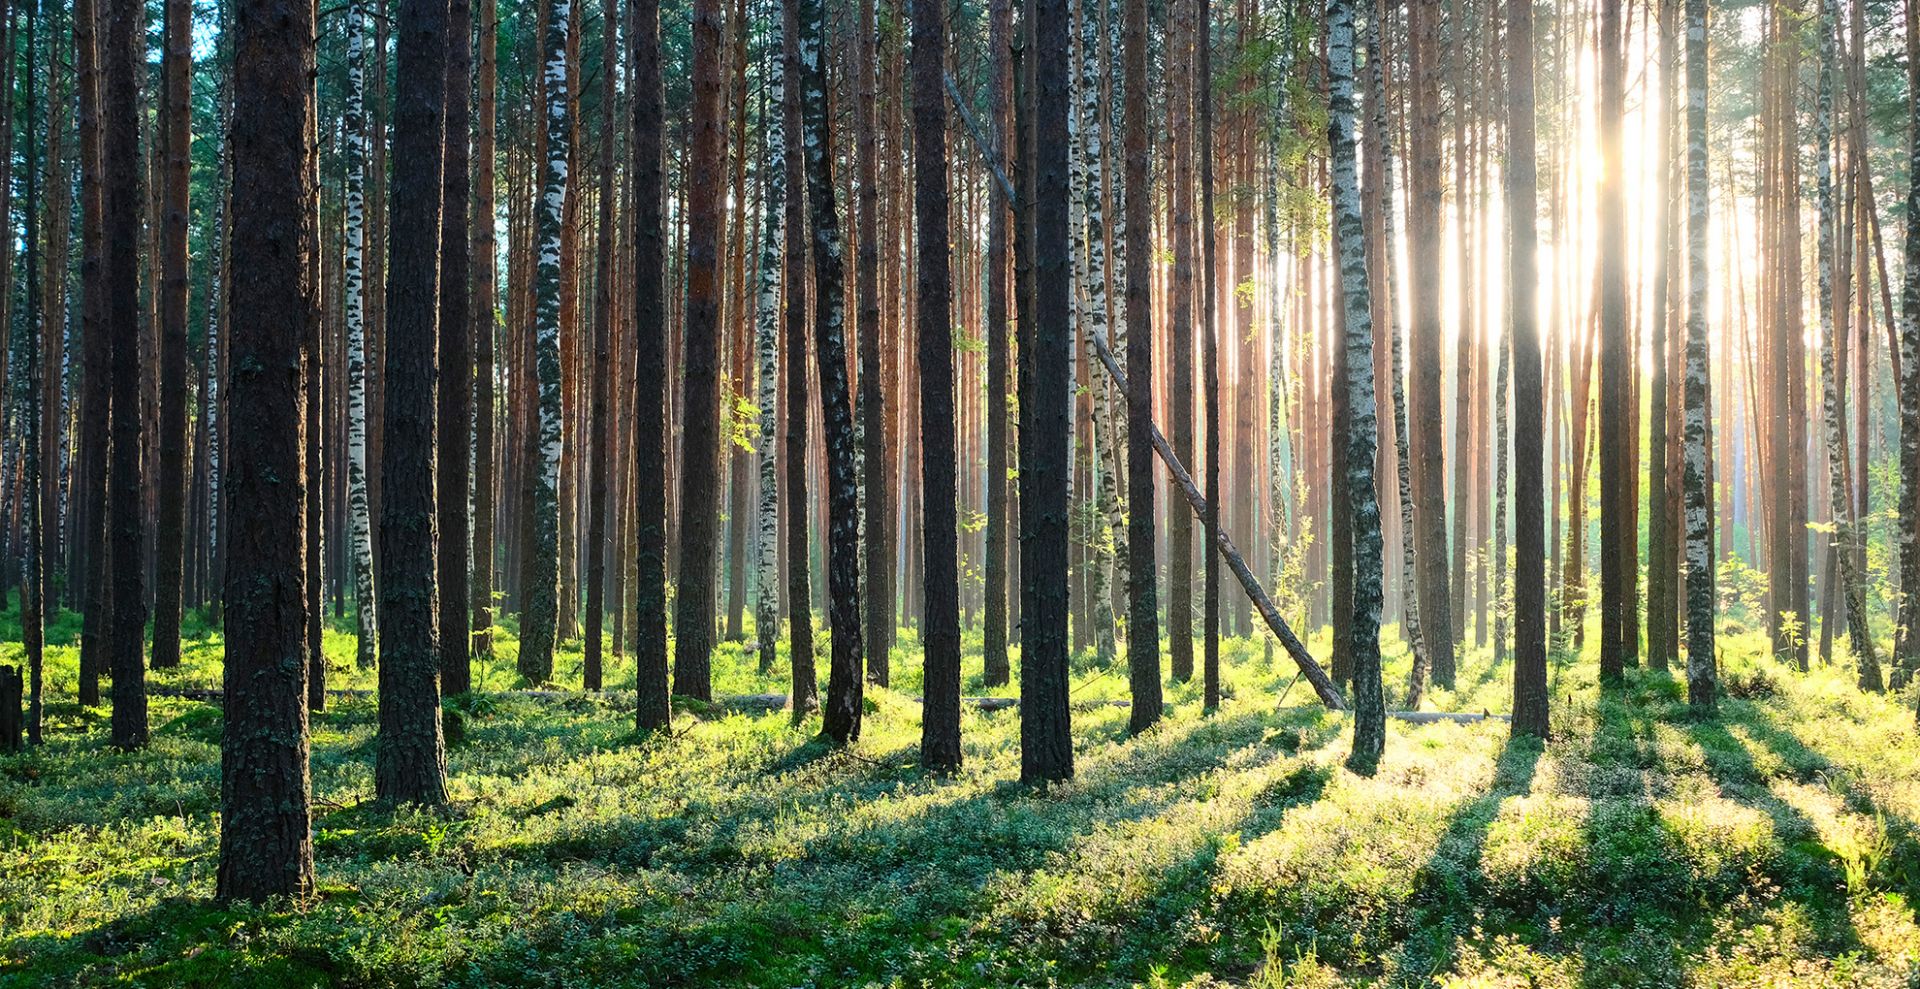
<point>940,718</point>
<point>1833,401</point>
<point>410,764</point>
<point>96,356</point>
<point>1180,301</point>
<point>1369,709</point>
<point>773,203</point>
<point>653,709</point>
<point>1210,376</point>
<point>1046,467</point>
<point>600,450</point>
<point>700,436</point>
<point>1702,669</point>
<point>170,527</point>
<point>34,504</point>
<point>485,291</point>
<point>1618,572</point>
<point>121,209</point>
<point>1093,293</point>
<point>993,635</point>
<point>799,585</point>
<point>1425,410</point>
<point>359,506</point>
<point>877,479</point>
<point>1907,664</point>
<point>1530,489</point>
<point>266,842</point>
<point>455,409</point>
<point>846,674</point>
<point>540,569</point>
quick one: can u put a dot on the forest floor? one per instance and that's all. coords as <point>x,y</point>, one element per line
<point>1777,845</point>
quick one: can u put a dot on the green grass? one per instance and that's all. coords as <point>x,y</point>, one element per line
<point>1778,845</point>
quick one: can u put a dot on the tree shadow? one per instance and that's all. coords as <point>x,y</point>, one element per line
<point>1450,885</point>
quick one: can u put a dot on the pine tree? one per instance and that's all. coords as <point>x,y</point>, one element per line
<point>693,606</point>
<point>940,714</point>
<point>1143,625</point>
<point>1046,467</point>
<point>653,708</point>
<point>410,763</point>
<point>598,442</point>
<point>1424,408</point>
<point>1618,570</point>
<point>121,211</point>
<point>266,843</point>
<point>1530,696</point>
<point>806,688</point>
<point>453,486</point>
<point>175,136</point>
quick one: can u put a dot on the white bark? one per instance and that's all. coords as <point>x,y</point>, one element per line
<point>359,515</point>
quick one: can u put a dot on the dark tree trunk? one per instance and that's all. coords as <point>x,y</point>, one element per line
<point>1210,375</point>
<point>410,764</point>
<point>940,715</point>
<point>655,710</point>
<point>1180,390</point>
<point>96,353</point>
<point>122,209</point>
<point>878,482</point>
<point>700,432</point>
<point>799,585</point>
<point>1143,624</point>
<point>1046,739</point>
<point>845,676</point>
<point>175,116</point>
<point>1618,574</point>
<point>455,409</point>
<point>266,844</point>
<point>993,634</point>
<point>599,449</point>
<point>1529,585</point>
<point>484,291</point>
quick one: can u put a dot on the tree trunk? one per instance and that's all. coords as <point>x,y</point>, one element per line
<point>176,135</point>
<point>266,843</point>
<point>1618,573</point>
<point>455,409</point>
<point>485,295</point>
<point>96,350</point>
<point>773,203</point>
<point>877,475</point>
<point>1046,466</point>
<point>1702,663</point>
<point>122,209</point>
<point>410,764</point>
<point>1530,694</point>
<point>1425,408</point>
<point>993,636</point>
<point>846,674</point>
<point>1180,388</point>
<point>359,506</point>
<point>1907,664</point>
<point>600,450</point>
<point>653,710</point>
<point>1143,624</point>
<point>799,585</point>
<point>1832,400</point>
<point>700,431</point>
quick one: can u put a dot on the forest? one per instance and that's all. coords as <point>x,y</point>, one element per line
<point>899,493</point>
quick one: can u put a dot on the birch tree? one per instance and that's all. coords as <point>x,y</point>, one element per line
<point>541,576</point>
<point>1833,403</point>
<point>1093,298</point>
<point>1702,664</point>
<point>359,511</point>
<point>773,203</point>
<point>845,676</point>
<point>1369,719</point>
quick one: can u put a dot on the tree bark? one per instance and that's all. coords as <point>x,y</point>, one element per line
<point>410,764</point>
<point>266,844</point>
<point>799,585</point>
<point>1143,620</point>
<point>359,505</point>
<point>940,718</point>
<point>122,209</point>
<point>176,112</point>
<point>1530,694</point>
<point>653,710</point>
<point>455,410</point>
<point>1425,408</point>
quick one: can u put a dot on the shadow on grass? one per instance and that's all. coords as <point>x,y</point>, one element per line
<point>1451,883</point>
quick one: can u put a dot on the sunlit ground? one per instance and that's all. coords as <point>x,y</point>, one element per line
<point>1778,845</point>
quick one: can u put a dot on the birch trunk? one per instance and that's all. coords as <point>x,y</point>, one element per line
<point>1093,299</point>
<point>773,201</point>
<point>1833,403</point>
<point>1702,664</point>
<point>359,508</point>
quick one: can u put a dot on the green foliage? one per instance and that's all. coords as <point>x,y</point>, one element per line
<point>1775,846</point>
